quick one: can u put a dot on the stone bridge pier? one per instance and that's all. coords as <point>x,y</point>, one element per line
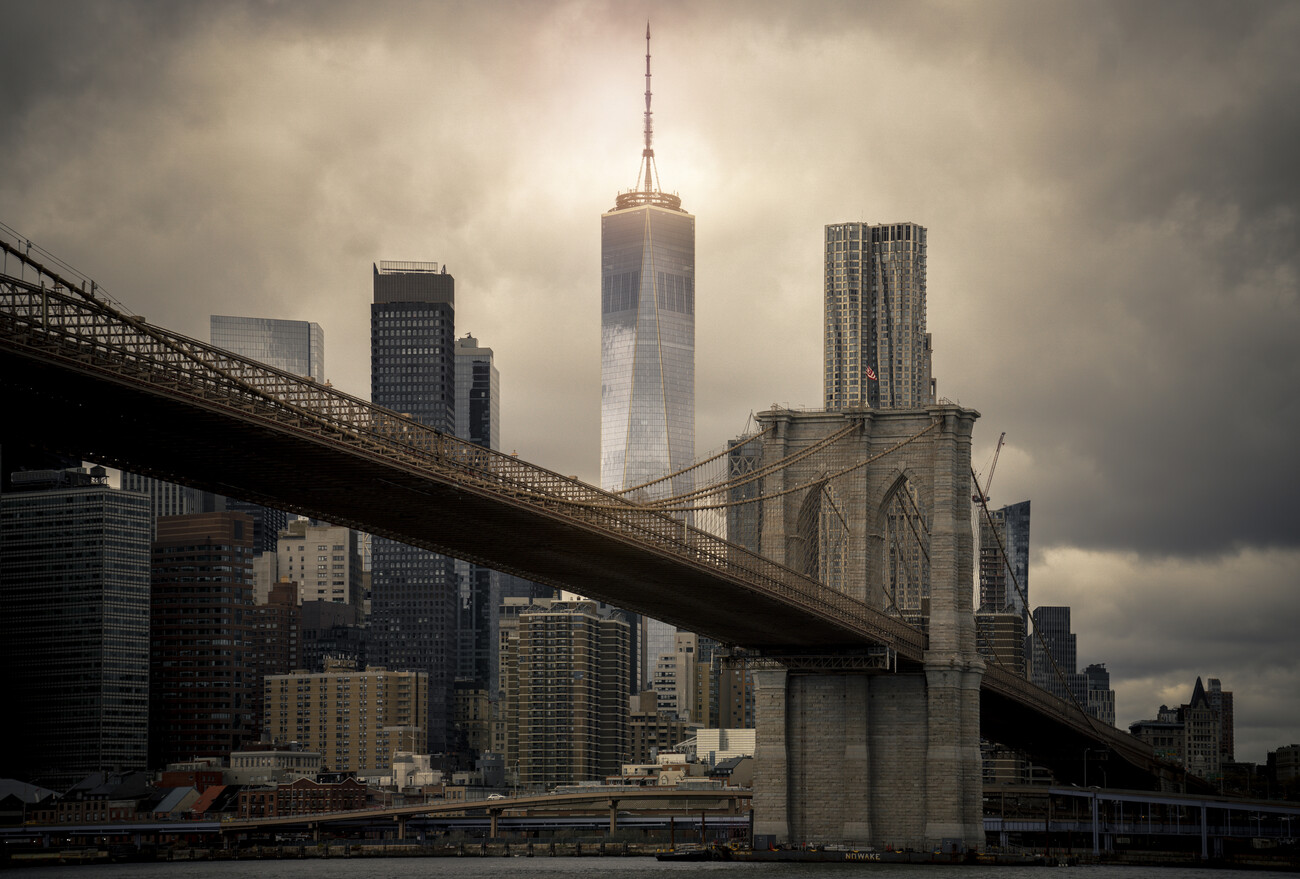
<point>875,757</point>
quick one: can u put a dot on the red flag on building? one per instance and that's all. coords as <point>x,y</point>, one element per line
<point>871,374</point>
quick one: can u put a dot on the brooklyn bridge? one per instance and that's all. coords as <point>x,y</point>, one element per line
<point>869,717</point>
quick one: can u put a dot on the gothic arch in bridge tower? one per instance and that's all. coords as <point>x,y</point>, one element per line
<point>819,545</point>
<point>902,566</point>
<point>804,550</point>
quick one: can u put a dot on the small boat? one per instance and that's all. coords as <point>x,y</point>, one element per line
<point>708,853</point>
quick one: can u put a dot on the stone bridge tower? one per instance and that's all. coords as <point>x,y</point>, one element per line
<point>875,756</point>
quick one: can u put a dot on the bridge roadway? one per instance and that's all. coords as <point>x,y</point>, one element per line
<point>85,379</point>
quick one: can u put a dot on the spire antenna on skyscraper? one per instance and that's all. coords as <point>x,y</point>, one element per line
<point>647,189</point>
<point>648,154</point>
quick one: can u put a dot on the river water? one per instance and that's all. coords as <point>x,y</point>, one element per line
<point>576,868</point>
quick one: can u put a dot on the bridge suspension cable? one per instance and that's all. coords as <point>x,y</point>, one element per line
<point>674,503</point>
<point>725,483</point>
<point>698,465</point>
<point>665,507</point>
<point>983,501</point>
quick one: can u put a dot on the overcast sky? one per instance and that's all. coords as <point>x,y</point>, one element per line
<point>1111,194</point>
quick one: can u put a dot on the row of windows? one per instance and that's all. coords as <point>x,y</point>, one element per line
<point>882,233</point>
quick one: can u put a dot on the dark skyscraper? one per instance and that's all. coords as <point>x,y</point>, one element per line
<point>1052,652</point>
<point>412,342</point>
<point>413,372</point>
<point>478,420</point>
<point>74,633</point>
<point>647,342</point>
<point>203,687</point>
<point>1221,702</point>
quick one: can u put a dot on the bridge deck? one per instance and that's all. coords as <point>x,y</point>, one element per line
<point>107,387</point>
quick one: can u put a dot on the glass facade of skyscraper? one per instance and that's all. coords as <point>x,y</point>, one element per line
<point>478,420</point>
<point>1052,653</point>
<point>295,346</point>
<point>647,344</point>
<point>74,635</point>
<point>877,350</point>
<point>1004,582</point>
<point>412,371</point>
<point>478,395</point>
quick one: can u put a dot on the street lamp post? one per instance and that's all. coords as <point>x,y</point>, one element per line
<point>1086,752</point>
<point>1095,848</point>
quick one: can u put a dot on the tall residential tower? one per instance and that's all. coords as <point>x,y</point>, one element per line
<point>1004,579</point>
<point>647,346</point>
<point>877,350</point>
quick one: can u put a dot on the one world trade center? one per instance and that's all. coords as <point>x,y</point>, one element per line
<point>647,342</point>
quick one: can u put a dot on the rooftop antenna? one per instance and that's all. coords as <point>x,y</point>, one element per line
<point>648,168</point>
<point>647,190</point>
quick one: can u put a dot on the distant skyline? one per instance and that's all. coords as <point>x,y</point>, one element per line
<point>1110,193</point>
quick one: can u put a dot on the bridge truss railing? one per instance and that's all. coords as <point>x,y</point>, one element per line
<point>1028,693</point>
<point>50,317</point>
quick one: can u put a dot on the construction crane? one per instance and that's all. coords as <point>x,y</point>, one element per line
<point>982,497</point>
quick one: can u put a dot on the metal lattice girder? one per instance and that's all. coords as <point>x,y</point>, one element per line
<point>877,659</point>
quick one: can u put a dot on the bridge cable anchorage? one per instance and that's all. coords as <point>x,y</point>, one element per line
<point>1002,553</point>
